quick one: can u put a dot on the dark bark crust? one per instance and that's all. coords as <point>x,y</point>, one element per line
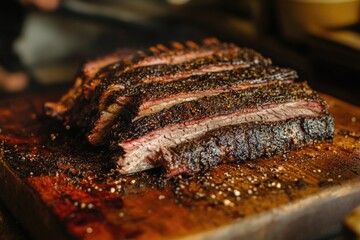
<point>140,74</point>
<point>226,79</point>
<point>245,142</point>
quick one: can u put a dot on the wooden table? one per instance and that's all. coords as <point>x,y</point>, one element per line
<point>59,187</point>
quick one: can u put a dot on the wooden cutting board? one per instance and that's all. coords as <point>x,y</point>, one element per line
<point>59,187</point>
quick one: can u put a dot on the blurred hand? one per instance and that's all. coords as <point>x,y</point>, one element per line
<point>44,5</point>
<point>12,82</point>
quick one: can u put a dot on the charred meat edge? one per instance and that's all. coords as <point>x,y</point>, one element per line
<point>244,142</point>
<point>61,109</point>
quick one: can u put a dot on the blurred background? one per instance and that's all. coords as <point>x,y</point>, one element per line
<point>318,38</point>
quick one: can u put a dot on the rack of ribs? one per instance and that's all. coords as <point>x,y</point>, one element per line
<point>190,107</point>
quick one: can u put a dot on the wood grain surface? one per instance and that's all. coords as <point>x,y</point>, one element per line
<point>59,187</point>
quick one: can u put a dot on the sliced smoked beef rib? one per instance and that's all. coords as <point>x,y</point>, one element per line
<point>191,107</point>
<point>154,97</point>
<point>144,139</point>
<point>112,66</point>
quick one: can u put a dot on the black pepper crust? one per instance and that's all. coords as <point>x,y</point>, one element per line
<point>141,74</point>
<point>208,81</point>
<point>138,74</point>
<point>116,70</point>
<point>245,142</point>
<point>224,103</point>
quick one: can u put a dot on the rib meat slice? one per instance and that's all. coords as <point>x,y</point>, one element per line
<point>144,139</point>
<point>94,72</point>
<point>219,61</point>
<point>154,97</point>
<point>244,142</point>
